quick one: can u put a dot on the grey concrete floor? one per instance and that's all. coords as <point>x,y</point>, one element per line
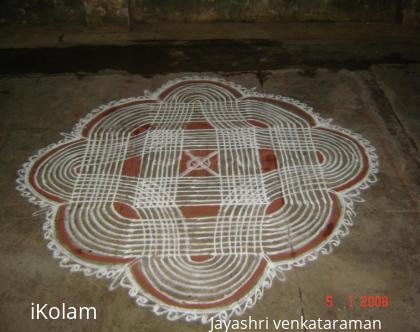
<point>380,256</point>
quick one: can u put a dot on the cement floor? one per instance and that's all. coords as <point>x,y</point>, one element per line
<point>379,257</point>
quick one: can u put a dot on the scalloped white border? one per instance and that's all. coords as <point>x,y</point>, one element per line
<point>119,274</point>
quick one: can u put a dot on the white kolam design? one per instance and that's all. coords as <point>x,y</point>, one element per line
<point>197,196</point>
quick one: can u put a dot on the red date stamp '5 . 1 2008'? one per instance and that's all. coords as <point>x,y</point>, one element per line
<point>364,301</point>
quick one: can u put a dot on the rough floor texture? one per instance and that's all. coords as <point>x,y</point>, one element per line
<point>401,85</point>
<point>379,257</point>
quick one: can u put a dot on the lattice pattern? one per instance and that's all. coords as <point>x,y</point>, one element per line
<point>195,197</point>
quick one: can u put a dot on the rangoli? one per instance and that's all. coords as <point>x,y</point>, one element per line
<point>196,196</point>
